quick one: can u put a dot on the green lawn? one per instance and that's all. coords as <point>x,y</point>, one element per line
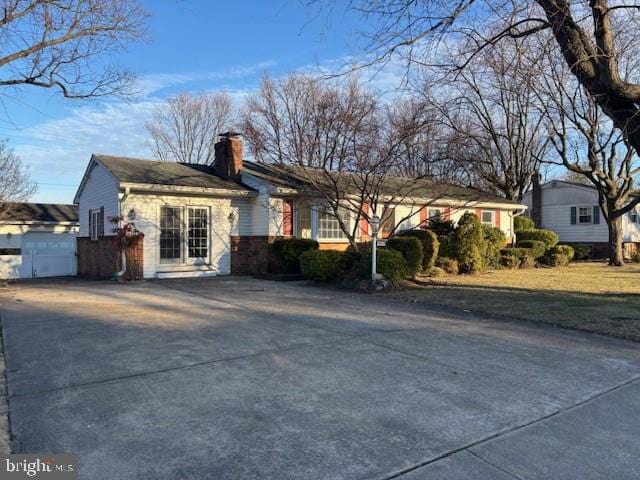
<point>584,296</point>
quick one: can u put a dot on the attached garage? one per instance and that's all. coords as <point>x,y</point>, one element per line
<point>38,240</point>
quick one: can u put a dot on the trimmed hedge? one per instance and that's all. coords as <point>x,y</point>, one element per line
<point>555,260</point>
<point>517,258</point>
<point>536,246</point>
<point>321,265</point>
<point>447,264</point>
<point>430,246</point>
<point>549,238</point>
<point>286,254</point>
<point>521,224</point>
<point>566,250</point>
<point>390,263</point>
<point>411,249</point>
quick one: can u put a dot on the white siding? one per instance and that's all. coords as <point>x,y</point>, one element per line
<point>100,190</point>
<point>557,200</point>
<point>261,220</point>
<point>227,217</point>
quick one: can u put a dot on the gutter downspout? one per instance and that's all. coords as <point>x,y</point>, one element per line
<point>123,255</point>
<point>514,214</point>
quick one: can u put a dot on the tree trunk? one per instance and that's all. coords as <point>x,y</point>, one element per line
<point>616,254</point>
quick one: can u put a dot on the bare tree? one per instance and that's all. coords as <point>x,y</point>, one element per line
<point>186,128</point>
<point>589,145</point>
<point>583,32</point>
<point>492,108</point>
<point>59,43</point>
<point>15,182</point>
<point>342,143</point>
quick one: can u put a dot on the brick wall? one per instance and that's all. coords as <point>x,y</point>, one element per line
<point>101,258</point>
<point>250,254</point>
<point>96,258</point>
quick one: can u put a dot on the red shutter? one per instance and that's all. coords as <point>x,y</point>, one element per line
<point>479,213</point>
<point>287,218</point>
<point>497,220</point>
<point>423,217</point>
<point>364,222</point>
<point>447,214</point>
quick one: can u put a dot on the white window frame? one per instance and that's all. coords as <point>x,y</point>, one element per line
<point>185,259</point>
<point>196,260</point>
<point>493,217</point>
<point>590,214</point>
<point>95,224</point>
<point>315,212</point>
<point>634,216</point>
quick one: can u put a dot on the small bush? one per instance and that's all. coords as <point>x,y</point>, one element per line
<point>321,265</point>
<point>521,224</point>
<point>536,246</point>
<point>495,240</point>
<point>286,254</point>
<point>581,252</point>
<point>549,238</point>
<point>517,258</point>
<point>563,250</point>
<point>509,260</point>
<point>430,246</point>
<point>436,272</point>
<point>447,264</point>
<point>390,263</point>
<point>527,261</point>
<point>635,257</point>
<point>555,260</point>
<point>411,249</point>
<point>469,244</point>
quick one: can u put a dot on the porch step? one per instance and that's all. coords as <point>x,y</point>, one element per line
<point>187,274</point>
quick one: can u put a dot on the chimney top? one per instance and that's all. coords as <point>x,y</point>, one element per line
<point>230,134</point>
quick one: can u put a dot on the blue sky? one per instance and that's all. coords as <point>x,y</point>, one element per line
<point>196,45</point>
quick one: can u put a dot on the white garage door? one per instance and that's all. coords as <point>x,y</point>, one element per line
<point>48,255</point>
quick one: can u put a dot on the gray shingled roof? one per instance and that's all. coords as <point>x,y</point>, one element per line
<point>292,177</point>
<point>38,212</point>
<point>138,170</point>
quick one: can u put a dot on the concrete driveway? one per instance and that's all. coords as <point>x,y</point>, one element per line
<point>244,379</point>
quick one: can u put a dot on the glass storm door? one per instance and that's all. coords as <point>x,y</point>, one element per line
<point>198,234</point>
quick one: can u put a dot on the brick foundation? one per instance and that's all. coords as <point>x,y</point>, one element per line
<point>101,259</point>
<point>250,254</point>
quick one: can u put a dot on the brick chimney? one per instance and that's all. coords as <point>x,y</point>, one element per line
<point>536,200</point>
<point>227,162</point>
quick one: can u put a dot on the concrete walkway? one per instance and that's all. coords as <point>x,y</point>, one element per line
<point>244,379</point>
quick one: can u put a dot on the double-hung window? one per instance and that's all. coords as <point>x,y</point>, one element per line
<point>329,226</point>
<point>585,215</point>
<point>487,217</point>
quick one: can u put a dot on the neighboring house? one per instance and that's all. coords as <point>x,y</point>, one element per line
<point>208,220</point>
<point>572,211</point>
<point>38,240</point>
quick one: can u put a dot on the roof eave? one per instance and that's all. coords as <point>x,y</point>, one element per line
<point>164,189</point>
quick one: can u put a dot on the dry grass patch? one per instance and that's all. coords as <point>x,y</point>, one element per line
<point>584,296</point>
